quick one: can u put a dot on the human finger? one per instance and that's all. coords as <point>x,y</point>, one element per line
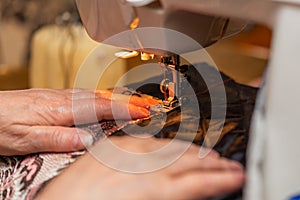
<point>56,139</point>
<point>192,163</point>
<point>77,90</point>
<point>208,152</point>
<point>143,100</point>
<point>190,160</point>
<point>87,110</point>
<point>204,184</point>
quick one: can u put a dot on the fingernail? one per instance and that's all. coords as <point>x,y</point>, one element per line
<point>86,139</point>
<point>235,165</point>
<point>145,112</point>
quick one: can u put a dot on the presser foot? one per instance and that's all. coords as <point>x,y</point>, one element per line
<point>165,107</point>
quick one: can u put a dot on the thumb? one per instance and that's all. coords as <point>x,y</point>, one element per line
<point>58,139</point>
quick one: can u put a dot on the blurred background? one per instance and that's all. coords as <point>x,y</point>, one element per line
<point>43,44</point>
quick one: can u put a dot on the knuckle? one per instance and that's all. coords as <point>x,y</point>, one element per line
<point>63,140</point>
<point>57,138</point>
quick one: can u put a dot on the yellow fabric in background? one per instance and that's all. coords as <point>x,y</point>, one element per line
<point>57,54</point>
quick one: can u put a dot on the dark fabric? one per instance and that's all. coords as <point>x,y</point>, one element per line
<point>239,108</point>
<point>26,175</point>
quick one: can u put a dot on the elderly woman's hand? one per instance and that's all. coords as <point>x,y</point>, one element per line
<point>41,120</point>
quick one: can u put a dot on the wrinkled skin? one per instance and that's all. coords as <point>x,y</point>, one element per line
<point>41,120</point>
<point>187,178</point>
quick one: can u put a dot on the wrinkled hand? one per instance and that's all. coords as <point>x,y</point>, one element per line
<point>40,120</point>
<point>187,178</point>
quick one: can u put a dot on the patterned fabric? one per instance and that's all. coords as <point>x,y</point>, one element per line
<point>21,177</point>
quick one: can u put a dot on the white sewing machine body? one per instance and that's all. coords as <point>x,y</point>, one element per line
<point>165,14</point>
<point>273,160</point>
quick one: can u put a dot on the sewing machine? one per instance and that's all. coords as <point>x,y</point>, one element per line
<point>273,161</point>
<point>125,29</point>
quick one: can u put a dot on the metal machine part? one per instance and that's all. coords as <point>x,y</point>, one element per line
<point>174,77</point>
<point>171,88</point>
<point>267,163</point>
<point>103,19</point>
